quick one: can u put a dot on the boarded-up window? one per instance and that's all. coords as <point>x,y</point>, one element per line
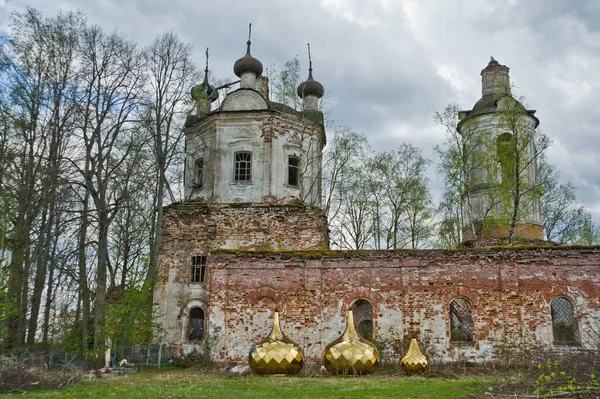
<point>198,274</point>
<point>363,317</point>
<point>461,320</point>
<point>293,171</point>
<point>196,324</point>
<point>563,321</point>
<point>243,166</point>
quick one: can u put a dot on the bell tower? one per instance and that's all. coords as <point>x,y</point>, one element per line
<point>499,136</point>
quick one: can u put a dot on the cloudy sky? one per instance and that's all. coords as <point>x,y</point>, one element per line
<point>388,65</point>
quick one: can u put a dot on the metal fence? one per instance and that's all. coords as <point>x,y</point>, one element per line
<point>156,355</point>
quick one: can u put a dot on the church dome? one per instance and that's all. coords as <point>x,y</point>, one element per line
<point>277,354</point>
<point>350,354</point>
<point>204,89</point>
<point>247,64</point>
<point>310,87</point>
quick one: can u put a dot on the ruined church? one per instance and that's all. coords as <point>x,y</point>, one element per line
<point>251,238</point>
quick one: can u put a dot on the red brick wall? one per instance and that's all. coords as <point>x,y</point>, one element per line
<point>195,228</point>
<point>510,290</point>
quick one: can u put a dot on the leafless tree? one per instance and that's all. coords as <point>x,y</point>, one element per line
<point>170,73</point>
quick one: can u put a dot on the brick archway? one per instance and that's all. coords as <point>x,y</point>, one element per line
<point>268,292</point>
<point>360,293</point>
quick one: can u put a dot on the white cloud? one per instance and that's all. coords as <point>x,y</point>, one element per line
<point>389,65</point>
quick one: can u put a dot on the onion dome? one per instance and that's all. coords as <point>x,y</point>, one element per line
<point>277,354</point>
<point>310,87</point>
<point>205,90</point>
<point>350,354</point>
<point>414,362</point>
<point>247,63</point>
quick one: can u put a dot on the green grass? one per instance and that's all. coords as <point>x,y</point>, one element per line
<point>194,383</point>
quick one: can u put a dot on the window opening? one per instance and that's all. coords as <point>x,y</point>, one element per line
<point>505,151</point>
<point>563,321</point>
<point>243,166</point>
<point>199,172</point>
<point>293,171</point>
<point>196,325</point>
<point>363,317</point>
<point>461,320</point>
<point>198,269</point>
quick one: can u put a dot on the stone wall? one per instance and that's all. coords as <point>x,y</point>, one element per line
<point>195,228</point>
<point>510,291</point>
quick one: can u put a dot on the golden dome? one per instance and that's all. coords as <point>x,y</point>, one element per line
<point>277,354</point>
<point>350,353</point>
<point>415,361</point>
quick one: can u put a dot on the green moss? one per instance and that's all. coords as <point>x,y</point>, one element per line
<point>331,253</point>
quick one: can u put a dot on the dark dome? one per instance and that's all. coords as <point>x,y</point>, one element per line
<point>247,64</point>
<point>489,103</point>
<point>310,87</point>
<point>199,90</point>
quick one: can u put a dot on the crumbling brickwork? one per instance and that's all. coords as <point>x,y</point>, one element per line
<point>195,228</point>
<point>510,291</point>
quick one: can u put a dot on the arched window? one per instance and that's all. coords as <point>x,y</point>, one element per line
<point>363,317</point>
<point>461,320</point>
<point>563,321</point>
<point>196,325</point>
<point>243,166</point>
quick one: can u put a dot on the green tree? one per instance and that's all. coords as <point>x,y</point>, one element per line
<point>461,158</point>
<point>563,217</point>
<point>517,151</point>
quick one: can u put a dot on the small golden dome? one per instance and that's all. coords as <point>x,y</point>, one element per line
<point>350,354</point>
<point>415,361</point>
<point>277,354</point>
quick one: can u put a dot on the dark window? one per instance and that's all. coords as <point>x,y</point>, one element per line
<point>461,320</point>
<point>563,321</point>
<point>199,178</point>
<point>363,317</point>
<point>293,171</point>
<point>196,325</point>
<point>505,144</point>
<point>243,166</point>
<point>198,269</point>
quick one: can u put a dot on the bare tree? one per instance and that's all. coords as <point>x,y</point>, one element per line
<point>110,82</point>
<point>170,74</point>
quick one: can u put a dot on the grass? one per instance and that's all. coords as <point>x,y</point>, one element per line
<point>195,383</point>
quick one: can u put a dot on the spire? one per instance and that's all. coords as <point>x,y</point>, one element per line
<point>206,69</point>
<point>309,62</point>
<point>249,42</point>
<point>248,65</point>
<point>310,90</point>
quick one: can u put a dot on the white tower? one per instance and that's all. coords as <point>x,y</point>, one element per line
<point>499,144</point>
<point>253,150</point>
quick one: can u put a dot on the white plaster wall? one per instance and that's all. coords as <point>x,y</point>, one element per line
<point>232,133</point>
<point>488,127</point>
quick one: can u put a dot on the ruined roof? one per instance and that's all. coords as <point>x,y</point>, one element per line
<point>489,104</point>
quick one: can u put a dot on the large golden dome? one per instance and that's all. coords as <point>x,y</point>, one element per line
<point>350,354</point>
<point>277,354</point>
<point>415,361</point>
